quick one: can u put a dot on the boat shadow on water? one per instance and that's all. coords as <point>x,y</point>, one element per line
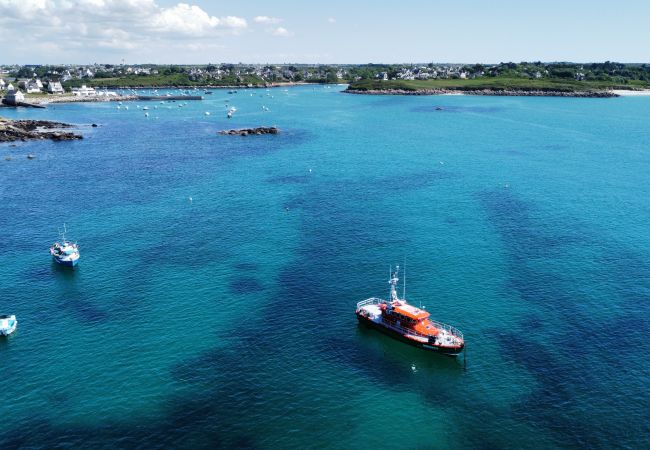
<point>6,340</point>
<point>378,343</point>
<point>64,272</point>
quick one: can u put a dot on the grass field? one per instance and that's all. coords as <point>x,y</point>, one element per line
<point>497,83</point>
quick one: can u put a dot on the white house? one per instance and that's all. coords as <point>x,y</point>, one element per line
<point>13,96</point>
<point>31,87</point>
<point>2,84</point>
<point>54,87</point>
<point>83,91</point>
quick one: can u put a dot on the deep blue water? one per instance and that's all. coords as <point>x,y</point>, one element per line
<point>228,320</point>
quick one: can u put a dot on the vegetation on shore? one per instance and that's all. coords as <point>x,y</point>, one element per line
<point>162,80</point>
<point>494,84</point>
<point>543,77</point>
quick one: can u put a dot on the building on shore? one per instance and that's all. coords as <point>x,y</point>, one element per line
<point>32,86</point>
<point>13,96</point>
<point>2,84</point>
<point>54,87</point>
<point>83,91</point>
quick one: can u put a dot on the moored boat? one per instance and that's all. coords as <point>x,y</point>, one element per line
<point>408,323</point>
<point>65,253</point>
<point>8,324</point>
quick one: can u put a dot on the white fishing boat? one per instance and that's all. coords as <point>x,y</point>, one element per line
<point>65,253</point>
<point>8,324</point>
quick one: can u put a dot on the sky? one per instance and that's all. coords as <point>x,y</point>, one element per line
<point>335,31</point>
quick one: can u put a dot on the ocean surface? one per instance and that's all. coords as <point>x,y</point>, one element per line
<point>213,305</point>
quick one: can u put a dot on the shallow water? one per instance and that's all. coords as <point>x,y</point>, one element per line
<point>228,320</point>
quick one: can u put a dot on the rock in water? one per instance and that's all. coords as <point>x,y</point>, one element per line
<point>249,131</point>
<point>24,130</point>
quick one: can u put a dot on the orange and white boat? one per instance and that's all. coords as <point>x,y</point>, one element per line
<point>408,323</point>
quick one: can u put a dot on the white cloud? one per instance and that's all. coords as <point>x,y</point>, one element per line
<point>118,25</point>
<point>266,20</point>
<point>331,20</point>
<point>281,31</point>
<point>192,20</point>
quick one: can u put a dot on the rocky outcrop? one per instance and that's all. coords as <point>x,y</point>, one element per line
<point>251,131</point>
<point>502,92</point>
<point>26,130</point>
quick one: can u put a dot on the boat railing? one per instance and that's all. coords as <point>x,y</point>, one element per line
<point>439,325</point>
<point>370,301</point>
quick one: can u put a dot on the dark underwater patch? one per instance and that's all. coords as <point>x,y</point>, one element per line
<point>85,310</point>
<point>289,179</point>
<point>458,109</point>
<point>411,182</point>
<point>506,151</point>
<point>246,266</point>
<point>245,285</point>
<point>570,357</point>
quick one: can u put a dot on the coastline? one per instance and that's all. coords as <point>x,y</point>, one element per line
<point>69,98</point>
<point>495,92</point>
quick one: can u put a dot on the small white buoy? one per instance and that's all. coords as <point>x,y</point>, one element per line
<point>309,170</point>
<point>413,368</point>
<point>190,199</point>
<point>207,113</point>
<point>442,163</point>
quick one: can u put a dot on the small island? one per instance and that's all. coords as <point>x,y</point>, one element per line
<point>28,130</point>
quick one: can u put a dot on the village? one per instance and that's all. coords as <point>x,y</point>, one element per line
<point>98,82</point>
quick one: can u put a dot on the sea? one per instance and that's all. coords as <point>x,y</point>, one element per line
<point>214,302</point>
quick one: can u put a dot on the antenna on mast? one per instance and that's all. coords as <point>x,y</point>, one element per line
<point>404,287</point>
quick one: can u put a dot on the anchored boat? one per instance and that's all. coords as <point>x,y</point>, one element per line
<point>7,324</point>
<point>408,323</point>
<point>64,252</point>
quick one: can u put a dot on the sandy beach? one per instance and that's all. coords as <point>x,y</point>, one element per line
<point>628,93</point>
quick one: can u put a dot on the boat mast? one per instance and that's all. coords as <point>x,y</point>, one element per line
<point>393,284</point>
<point>404,287</point>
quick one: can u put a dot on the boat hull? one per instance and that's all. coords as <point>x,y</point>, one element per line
<point>448,351</point>
<point>6,331</point>
<point>68,263</point>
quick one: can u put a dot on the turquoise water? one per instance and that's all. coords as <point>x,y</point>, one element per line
<point>228,320</point>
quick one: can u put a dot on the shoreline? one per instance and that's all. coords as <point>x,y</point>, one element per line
<point>69,98</point>
<point>494,92</point>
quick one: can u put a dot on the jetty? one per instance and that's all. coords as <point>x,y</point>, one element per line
<point>169,97</point>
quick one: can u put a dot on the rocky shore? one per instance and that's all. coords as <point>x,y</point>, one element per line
<point>504,92</point>
<point>251,131</point>
<point>27,130</point>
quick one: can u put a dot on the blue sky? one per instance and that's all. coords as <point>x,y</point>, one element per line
<point>200,31</point>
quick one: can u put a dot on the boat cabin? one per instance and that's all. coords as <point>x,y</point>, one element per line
<point>408,316</point>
